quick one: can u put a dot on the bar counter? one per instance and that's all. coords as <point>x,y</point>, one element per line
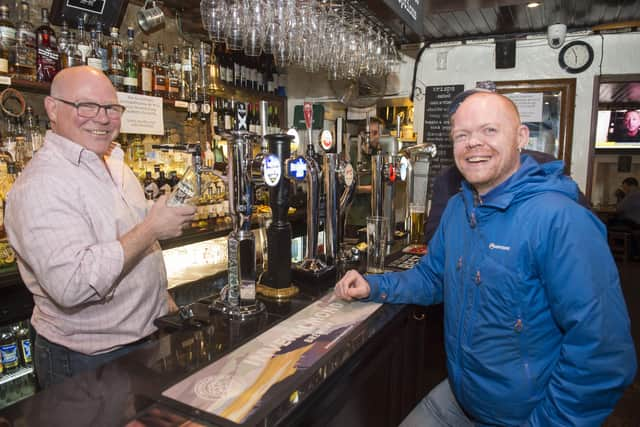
<point>373,375</point>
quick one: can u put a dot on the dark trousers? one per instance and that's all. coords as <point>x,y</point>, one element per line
<point>54,363</point>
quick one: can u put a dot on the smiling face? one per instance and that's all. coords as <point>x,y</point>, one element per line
<point>487,136</point>
<point>632,122</point>
<point>83,84</point>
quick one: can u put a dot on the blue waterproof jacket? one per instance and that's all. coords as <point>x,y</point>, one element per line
<point>536,328</point>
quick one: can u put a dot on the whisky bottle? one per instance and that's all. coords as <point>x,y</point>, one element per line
<point>47,58</point>
<point>25,46</point>
<point>151,190</point>
<point>66,54</point>
<point>8,37</point>
<point>116,55</point>
<point>145,71</point>
<point>94,59</point>
<point>173,74</point>
<point>159,73</point>
<point>130,80</point>
<point>186,76</point>
<point>83,42</point>
<point>104,54</point>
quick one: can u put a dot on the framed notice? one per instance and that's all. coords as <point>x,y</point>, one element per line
<point>436,127</point>
<point>143,114</point>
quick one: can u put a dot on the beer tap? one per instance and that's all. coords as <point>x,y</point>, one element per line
<point>385,168</point>
<point>238,299</point>
<point>409,157</point>
<point>277,169</point>
<point>311,265</point>
<point>339,188</point>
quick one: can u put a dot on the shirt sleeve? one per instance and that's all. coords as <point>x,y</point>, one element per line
<point>53,235</point>
<point>597,357</point>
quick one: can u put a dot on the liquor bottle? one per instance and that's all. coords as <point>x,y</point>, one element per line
<point>76,54</point>
<point>163,183</point>
<point>116,63</point>
<point>104,54</point>
<point>24,343</point>
<point>184,190</point>
<point>25,46</point>
<point>64,36</point>
<point>151,190</point>
<point>7,39</point>
<point>23,152</point>
<point>237,69</point>
<point>145,71</point>
<point>47,58</point>
<point>9,351</point>
<point>95,55</point>
<point>66,54</point>
<point>130,80</point>
<point>173,76</point>
<point>228,115</point>
<point>159,73</point>
<point>173,179</point>
<point>34,137</point>
<point>186,78</point>
<point>83,41</point>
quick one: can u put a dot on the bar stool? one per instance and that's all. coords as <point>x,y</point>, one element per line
<point>620,244</point>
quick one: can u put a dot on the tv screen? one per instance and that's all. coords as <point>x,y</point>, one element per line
<point>617,129</point>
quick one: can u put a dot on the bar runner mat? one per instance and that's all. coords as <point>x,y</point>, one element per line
<point>236,385</point>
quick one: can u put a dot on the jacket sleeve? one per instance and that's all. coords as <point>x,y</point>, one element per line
<point>597,357</point>
<point>420,285</point>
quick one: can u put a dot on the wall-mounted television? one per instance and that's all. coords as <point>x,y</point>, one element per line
<point>618,129</point>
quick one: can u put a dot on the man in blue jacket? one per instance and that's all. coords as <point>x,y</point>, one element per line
<point>536,328</point>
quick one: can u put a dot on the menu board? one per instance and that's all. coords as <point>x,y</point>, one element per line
<point>436,127</point>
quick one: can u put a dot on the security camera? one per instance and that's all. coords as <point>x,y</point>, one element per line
<point>556,34</point>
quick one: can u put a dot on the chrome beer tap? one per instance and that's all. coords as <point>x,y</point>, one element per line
<point>339,187</point>
<point>385,168</point>
<point>238,299</point>
<point>409,157</point>
<point>311,265</point>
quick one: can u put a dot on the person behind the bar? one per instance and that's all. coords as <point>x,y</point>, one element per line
<point>85,237</point>
<point>536,327</point>
<point>361,207</point>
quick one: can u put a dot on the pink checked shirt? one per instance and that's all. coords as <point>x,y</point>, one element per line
<point>64,216</point>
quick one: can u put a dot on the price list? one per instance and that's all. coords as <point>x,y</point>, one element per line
<point>436,127</point>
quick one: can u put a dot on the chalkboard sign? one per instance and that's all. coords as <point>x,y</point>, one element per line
<point>436,127</point>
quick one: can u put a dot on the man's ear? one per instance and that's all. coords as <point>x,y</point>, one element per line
<point>523,136</point>
<point>51,107</point>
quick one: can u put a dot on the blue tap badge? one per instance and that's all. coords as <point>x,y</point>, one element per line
<point>297,169</point>
<point>271,170</point>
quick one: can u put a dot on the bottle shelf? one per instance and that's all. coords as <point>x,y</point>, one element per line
<point>226,91</point>
<point>6,378</point>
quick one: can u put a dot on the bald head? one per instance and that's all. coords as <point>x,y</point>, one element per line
<point>505,104</point>
<point>68,80</point>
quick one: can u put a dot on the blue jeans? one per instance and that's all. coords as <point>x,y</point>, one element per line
<point>54,363</point>
<point>438,408</point>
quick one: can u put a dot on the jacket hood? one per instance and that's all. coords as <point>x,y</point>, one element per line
<point>529,180</point>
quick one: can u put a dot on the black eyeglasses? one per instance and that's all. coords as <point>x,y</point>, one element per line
<point>89,110</point>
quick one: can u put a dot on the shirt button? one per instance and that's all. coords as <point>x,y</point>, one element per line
<point>383,296</point>
<point>478,278</point>
<point>459,263</point>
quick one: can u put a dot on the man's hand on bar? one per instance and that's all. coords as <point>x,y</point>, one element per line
<point>352,286</point>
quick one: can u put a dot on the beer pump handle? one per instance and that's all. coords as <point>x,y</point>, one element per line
<point>308,120</point>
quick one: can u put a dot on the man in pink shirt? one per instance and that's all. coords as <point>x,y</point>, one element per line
<point>85,237</point>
